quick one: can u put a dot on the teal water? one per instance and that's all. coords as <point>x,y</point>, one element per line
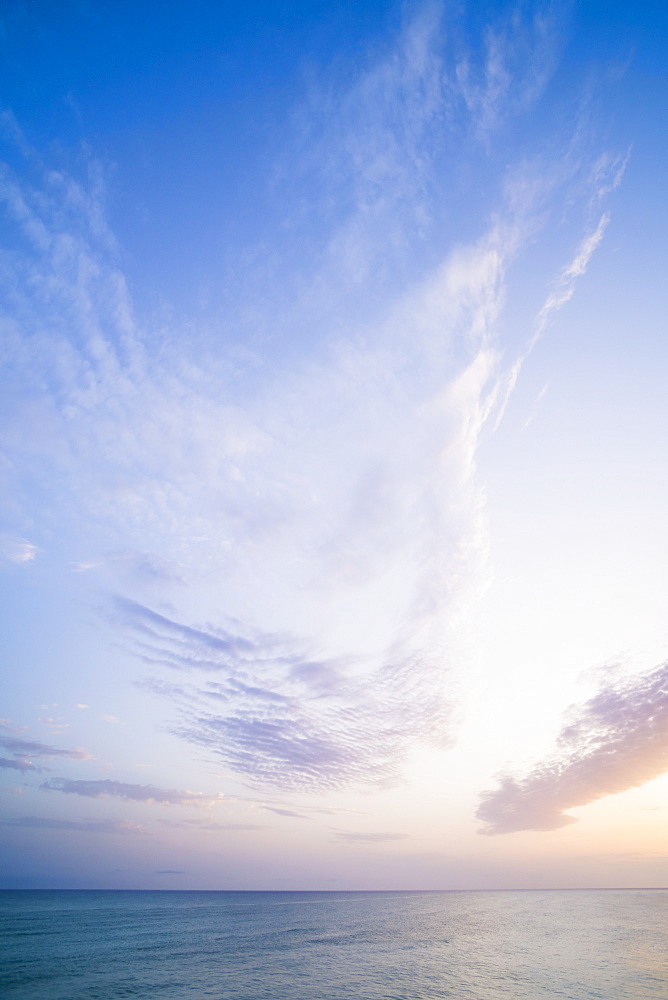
<point>577,944</point>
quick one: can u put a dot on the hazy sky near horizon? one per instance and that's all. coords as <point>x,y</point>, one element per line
<point>333,546</point>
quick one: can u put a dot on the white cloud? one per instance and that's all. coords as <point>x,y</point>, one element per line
<point>17,550</point>
<point>565,287</point>
<point>561,294</point>
<point>515,63</point>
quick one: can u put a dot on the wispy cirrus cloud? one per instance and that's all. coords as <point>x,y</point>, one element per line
<point>561,293</point>
<point>615,741</point>
<point>302,501</point>
<point>98,788</point>
<point>565,286</point>
<point>515,62</point>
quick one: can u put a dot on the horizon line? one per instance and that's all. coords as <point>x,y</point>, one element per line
<point>574,888</point>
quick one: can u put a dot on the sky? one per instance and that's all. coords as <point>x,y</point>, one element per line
<point>333,546</point>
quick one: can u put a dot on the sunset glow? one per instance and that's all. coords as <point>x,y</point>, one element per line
<point>333,547</point>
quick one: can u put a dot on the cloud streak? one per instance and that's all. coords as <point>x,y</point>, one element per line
<point>151,794</point>
<point>565,286</point>
<point>371,838</point>
<point>615,741</point>
<point>561,294</point>
<point>81,826</point>
<point>17,764</point>
<point>24,750</point>
<point>209,827</point>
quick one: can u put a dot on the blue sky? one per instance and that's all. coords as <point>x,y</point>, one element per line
<point>333,547</point>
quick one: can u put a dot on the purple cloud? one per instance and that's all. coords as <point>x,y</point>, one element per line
<point>616,740</point>
<point>136,793</point>
<point>33,748</point>
<point>183,646</point>
<point>286,812</point>
<point>17,764</point>
<point>284,718</point>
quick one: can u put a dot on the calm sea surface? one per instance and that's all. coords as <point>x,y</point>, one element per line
<point>334,945</point>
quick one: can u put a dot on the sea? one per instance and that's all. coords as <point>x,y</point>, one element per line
<point>171,945</point>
